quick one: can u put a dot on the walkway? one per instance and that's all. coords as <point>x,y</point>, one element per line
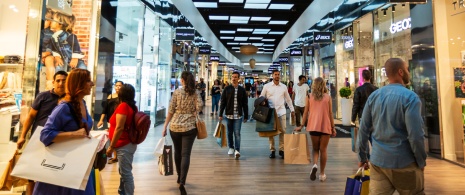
<point>213,172</point>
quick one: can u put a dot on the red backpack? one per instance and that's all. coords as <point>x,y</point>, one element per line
<point>140,127</point>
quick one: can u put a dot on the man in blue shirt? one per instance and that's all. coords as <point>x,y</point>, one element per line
<point>392,116</point>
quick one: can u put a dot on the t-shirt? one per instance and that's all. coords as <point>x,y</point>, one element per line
<point>248,86</point>
<point>300,93</point>
<point>44,103</point>
<point>123,109</point>
<point>110,107</point>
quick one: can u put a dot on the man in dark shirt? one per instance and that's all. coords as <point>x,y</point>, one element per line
<point>361,95</point>
<point>248,87</point>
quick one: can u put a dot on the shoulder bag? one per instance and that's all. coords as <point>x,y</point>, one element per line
<point>200,124</point>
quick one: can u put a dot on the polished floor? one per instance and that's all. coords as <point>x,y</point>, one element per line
<point>212,171</point>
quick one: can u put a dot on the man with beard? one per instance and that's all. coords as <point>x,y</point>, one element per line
<point>392,116</point>
<point>41,108</point>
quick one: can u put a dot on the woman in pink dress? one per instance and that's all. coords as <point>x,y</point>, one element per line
<point>318,113</point>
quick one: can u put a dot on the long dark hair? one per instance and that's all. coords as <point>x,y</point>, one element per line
<point>189,82</point>
<point>75,84</point>
<point>127,94</point>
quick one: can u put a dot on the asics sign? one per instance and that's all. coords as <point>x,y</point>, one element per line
<point>322,37</point>
<point>401,25</point>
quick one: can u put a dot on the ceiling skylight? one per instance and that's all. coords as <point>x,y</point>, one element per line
<point>206,4</point>
<point>241,38</point>
<point>232,43</point>
<point>255,6</point>
<point>244,44</point>
<point>257,44</point>
<point>258,1</point>
<point>226,37</point>
<point>227,31</point>
<point>218,17</point>
<point>276,32</point>
<point>255,38</point>
<point>259,18</point>
<point>244,29</point>
<point>246,18</point>
<point>282,22</point>
<point>238,21</point>
<point>231,1</point>
<point>281,6</point>
<point>268,39</point>
<point>268,45</point>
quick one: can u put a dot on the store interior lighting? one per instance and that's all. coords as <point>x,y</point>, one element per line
<point>393,8</point>
<point>384,12</point>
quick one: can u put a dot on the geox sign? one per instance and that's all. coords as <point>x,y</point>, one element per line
<point>322,37</point>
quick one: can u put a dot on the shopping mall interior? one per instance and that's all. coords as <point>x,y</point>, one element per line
<point>149,43</point>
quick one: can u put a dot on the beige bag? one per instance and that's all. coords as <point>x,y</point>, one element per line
<point>277,126</point>
<point>7,181</point>
<point>201,128</point>
<point>296,149</point>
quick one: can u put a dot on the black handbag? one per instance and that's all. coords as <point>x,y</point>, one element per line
<point>262,114</point>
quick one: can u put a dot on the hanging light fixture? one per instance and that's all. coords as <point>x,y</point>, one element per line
<point>252,63</point>
<point>248,49</point>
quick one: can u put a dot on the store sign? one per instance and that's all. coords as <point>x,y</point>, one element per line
<point>215,58</point>
<point>401,25</point>
<point>296,59</point>
<point>345,37</point>
<point>322,37</point>
<point>349,44</point>
<point>283,59</point>
<point>408,1</point>
<point>222,63</point>
<point>309,52</point>
<point>276,64</point>
<point>205,50</point>
<point>185,34</point>
<point>295,52</point>
<point>458,4</point>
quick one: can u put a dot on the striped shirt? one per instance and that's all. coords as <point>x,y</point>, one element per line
<point>235,112</point>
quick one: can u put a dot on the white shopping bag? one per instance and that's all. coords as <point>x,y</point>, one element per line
<point>66,164</point>
<point>159,147</point>
<point>102,136</point>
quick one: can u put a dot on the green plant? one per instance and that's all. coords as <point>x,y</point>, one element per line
<point>345,92</point>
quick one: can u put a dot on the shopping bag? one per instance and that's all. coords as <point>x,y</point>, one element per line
<point>275,124</point>
<point>7,181</point>
<point>221,141</point>
<point>218,129</point>
<point>359,183</point>
<point>66,164</point>
<point>296,149</point>
<point>99,189</point>
<point>165,161</point>
<point>160,146</point>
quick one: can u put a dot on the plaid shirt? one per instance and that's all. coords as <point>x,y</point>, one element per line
<point>235,112</point>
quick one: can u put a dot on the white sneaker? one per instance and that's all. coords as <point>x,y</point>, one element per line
<point>313,173</point>
<point>237,154</point>
<point>322,177</point>
<point>231,151</point>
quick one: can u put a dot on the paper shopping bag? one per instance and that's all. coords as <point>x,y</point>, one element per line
<point>275,123</point>
<point>358,184</point>
<point>296,149</point>
<point>66,164</point>
<point>165,161</point>
<point>221,141</point>
<point>6,180</point>
<point>160,146</point>
<point>219,127</point>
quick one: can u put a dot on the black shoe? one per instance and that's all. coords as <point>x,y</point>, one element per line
<point>281,153</point>
<point>182,189</point>
<point>179,180</point>
<point>200,112</point>
<point>272,155</point>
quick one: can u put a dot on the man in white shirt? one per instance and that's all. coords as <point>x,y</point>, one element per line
<point>276,93</point>
<point>299,97</point>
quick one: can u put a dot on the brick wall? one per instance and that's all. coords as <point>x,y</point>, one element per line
<point>82,10</point>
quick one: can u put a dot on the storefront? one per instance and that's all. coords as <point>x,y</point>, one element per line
<point>325,67</point>
<point>449,30</point>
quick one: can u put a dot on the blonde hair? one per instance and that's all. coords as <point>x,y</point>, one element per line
<point>67,22</point>
<point>319,88</point>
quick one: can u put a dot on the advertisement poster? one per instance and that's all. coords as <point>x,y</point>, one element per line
<point>463,57</point>
<point>459,82</point>
<point>64,39</point>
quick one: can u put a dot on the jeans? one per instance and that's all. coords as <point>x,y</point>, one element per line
<point>125,157</point>
<point>182,142</point>
<point>234,127</point>
<point>215,100</point>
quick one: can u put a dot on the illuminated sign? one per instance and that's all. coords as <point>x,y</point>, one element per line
<point>204,50</point>
<point>349,44</point>
<point>215,58</point>
<point>283,59</point>
<point>345,37</point>
<point>295,52</point>
<point>401,25</point>
<point>322,37</point>
<point>185,34</point>
<point>309,52</point>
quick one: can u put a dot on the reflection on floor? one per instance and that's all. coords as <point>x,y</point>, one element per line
<point>212,171</point>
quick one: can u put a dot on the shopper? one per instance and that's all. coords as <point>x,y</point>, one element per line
<point>216,95</point>
<point>248,88</point>
<point>276,93</point>
<point>119,137</point>
<point>184,106</point>
<point>108,110</point>
<point>41,108</point>
<point>290,86</point>
<point>392,115</point>
<point>361,95</point>
<point>299,97</point>
<point>62,125</point>
<point>259,88</point>
<point>234,100</point>
<point>201,88</point>
<point>320,123</point>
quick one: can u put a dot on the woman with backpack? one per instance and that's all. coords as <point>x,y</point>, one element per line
<point>69,120</point>
<point>119,138</point>
<point>182,112</point>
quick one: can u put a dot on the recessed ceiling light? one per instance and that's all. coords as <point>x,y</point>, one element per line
<point>238,21</point>
<point>258,1</point>
<point>267,52</point>
<point>231,1</point>
<point>206,4</point>
<point>245,29</point>
<point>281,6</point>
<point>255,38</point>
<point>261,31</point>
<point>276,32</point>
<point>257,44</point>
<point>226,37</point>
<point>244,44</point>
<point>268,45</point>
<point>241,38</point>
<point>236,47</point>
<point>255,6</point>
<point>232,43</point>
<point>227,31</point>
<point>259,18</point>
<point>218,17</point>
<point>268,39</point>
<point>268,49</point>
<point>246,18</point>
<point>278,22</point>
<point>259,51</point>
